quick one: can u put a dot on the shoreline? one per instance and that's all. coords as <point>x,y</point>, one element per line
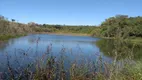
<point>68,34</point>
<point>134,40</point>
<point>10,36</point>
<point>7,37</point>
<point>131,40</point>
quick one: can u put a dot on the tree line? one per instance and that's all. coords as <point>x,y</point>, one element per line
<point>119,26</point>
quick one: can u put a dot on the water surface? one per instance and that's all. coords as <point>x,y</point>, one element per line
<point>73,47</point>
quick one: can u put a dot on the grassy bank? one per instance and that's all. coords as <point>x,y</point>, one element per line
<point>135,40</point>
<point>121,27</point>
<point>63,33</point>
<point>9,36</point>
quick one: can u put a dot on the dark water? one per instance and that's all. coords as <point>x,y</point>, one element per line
<point>27,49</point>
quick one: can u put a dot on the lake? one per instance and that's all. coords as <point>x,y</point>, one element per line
<point>27,49</point>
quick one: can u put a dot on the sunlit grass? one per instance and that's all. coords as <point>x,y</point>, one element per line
<point>9,36</point>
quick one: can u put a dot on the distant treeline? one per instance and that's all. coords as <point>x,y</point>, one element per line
<point>65,29</point>
<point>120,26</point>
<point>14,27</point>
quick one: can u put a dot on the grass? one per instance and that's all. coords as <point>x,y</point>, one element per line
<point>135,71</point>
<point>9,36</point>
<point>136,40</point>
<point>63,33</point>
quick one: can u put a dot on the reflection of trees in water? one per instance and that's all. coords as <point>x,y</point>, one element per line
<point>12,41</point>
<point>32,40</point>
<point>3,45</point>
<point>124,49</point>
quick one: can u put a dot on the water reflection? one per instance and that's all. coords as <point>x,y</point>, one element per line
<point>3,45</point>
<point>27,49</point>
<point>124,49</point>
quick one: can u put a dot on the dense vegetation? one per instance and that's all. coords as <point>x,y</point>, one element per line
<point>11,29</point>
<point>120,26</point>
<point>65,29</point>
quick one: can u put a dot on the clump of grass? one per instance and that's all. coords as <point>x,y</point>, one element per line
<point>9,36</point>
<point>133,72</point>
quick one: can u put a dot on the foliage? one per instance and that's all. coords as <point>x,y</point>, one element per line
<point>8,27</point>
<point>9,36</point>
<point>15,28</point>
<point>121,26</point>
<point>66,28</point>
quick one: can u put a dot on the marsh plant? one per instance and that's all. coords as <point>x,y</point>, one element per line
<point>50,67</point>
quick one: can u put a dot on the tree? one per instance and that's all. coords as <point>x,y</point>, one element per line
<point>13,20</point>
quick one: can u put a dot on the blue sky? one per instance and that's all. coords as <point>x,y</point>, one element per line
<point>70,12</point>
